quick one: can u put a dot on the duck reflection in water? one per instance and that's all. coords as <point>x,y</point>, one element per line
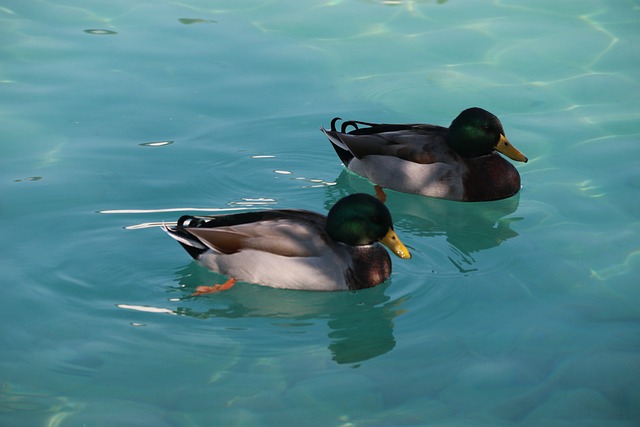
<point>469,228</point>
<point>360,322</point>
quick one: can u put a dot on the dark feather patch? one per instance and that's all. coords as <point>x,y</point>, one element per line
<point>499,179</point>
<point>371,266</point>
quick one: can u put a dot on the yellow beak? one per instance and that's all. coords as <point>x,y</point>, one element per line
<point>505,147</point>
<point>392,241</point>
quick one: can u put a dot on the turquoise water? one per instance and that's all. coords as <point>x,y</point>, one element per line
<point>118,115</point>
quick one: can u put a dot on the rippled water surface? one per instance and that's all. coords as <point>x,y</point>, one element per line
<point>118,115</point>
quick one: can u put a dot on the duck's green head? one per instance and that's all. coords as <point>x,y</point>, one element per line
<point>477,132</point>
<point>361,219</point>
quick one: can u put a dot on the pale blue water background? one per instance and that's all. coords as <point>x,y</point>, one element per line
<point>522,312</point>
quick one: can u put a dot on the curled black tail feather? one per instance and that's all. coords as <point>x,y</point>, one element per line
<point>369,129</point>
<point>192,221</point>
<point>333,123</point>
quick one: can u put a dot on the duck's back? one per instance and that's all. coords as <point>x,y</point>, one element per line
<point>415,161</point>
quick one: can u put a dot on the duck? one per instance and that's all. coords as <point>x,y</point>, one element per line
<point>293,248</point>
<point>459,163</point>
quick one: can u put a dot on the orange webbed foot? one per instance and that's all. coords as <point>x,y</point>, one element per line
<point>202,290</point>
<point>380,195</point>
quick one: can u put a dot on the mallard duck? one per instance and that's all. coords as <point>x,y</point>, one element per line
<point>457,163</point>
<point>296,249</point>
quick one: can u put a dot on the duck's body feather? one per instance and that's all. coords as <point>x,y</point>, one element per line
<point>419,159</point>
<point>281,249</point>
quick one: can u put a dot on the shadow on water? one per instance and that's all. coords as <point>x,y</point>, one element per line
<point>469,228</point>
<point>360,323</point>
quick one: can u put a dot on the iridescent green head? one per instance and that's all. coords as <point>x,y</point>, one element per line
<point>477,132</point>
<point>361,219</point>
